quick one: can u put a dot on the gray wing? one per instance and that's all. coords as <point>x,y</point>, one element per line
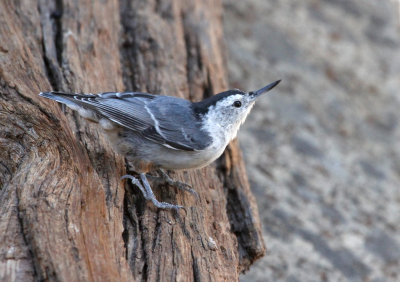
<point>166,120</point>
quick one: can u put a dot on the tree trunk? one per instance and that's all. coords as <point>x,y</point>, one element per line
<point>64,213</point>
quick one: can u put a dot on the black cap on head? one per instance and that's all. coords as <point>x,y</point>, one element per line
<point>203,106</point>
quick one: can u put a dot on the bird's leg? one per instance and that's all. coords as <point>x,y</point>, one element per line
<point>136,182</point>
<point>178,184</point>
<point>148,192</point>
<point>150,195</point>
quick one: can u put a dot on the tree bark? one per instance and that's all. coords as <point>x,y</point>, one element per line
<point>64,213</point>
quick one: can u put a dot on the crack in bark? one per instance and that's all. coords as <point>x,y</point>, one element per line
<point>195,69</point>
<point>157,231</point>
<point>240,215</point>
<point>195,268</point>
<point>35,264</point>
<point>132,225</point>
<point>5,175</point>
<point>109,194</point>
<point>144,252</point>
<point>51,12</point>
<point>74,248</point>
<point>208,87</point>
<point>128,45</point>
<point>193,58</point>
<point>58,37</point>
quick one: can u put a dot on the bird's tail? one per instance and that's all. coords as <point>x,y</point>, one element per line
<point>63,98</point>
<point>73,101</point>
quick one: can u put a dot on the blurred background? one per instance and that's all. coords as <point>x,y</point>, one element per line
<point>322,149</point>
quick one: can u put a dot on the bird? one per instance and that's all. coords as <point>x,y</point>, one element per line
<point>158,132</point>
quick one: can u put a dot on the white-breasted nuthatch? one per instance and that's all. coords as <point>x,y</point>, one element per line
<point>164,132</point>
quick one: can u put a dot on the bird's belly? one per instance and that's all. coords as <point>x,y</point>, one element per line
<point>177,159</point>
<point>145,155</point>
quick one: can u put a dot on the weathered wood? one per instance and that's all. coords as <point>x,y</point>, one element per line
<point>64,213</point>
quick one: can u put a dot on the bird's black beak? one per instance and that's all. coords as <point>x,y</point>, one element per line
<point>265,89</point>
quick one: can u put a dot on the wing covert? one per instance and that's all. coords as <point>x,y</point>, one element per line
<point>165,120</point>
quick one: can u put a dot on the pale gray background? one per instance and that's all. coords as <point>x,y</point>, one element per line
<point>322,150</point>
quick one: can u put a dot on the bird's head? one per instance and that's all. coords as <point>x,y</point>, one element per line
<point>229,109</point>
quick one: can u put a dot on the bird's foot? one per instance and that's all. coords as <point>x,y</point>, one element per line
<point>148,193</point>
<point>165,178</point>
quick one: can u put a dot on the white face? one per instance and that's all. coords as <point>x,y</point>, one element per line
<point>228,114</point>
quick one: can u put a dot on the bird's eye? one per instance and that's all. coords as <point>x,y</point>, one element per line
<point>237,104</point>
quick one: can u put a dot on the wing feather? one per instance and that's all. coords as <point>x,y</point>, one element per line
<point>165,120</point>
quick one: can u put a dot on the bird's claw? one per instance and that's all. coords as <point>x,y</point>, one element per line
<point>148,193</point>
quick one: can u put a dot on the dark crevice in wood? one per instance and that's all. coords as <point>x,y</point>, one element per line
<point>174,264</point>
<point>240,214</point>
<point>198,56</point>
<point>196,271</point>
<point>143,235</point>
<point>208,87</point>
<point>78,133</point>
<point>58,36</point>
<point>74,248</point>
<point>109,194</point>
<point>164,9</point>
<point>128,46</point>
<point>51,12</point>
<point>126,234</point>
<point>133,209</point>
<point>182,225</point>
<point>130,231</point>
<point>5,175</point>
<point>189,56</point>
<point>35,264</point>
<point>194,64</point>
<point>195,70</point>
<point>157,231</point>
